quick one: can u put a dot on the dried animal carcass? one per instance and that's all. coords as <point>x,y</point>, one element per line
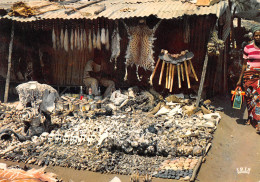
<point>115,47</point>
<point>107,39</point>
<point>140,48</point>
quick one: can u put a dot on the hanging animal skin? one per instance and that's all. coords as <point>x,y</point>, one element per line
<point>61,39</point>
<point>103,36</point>
<point>75,38</point>
<point>81,39</point>
<point>98,40</point>
<point>84,39</point>
<point>71,40</point>
<point>94,39</point>
<point>115,46</point>
<point>140,47</point>
<point>78,39</point>
<point>107,39</point>
<point>53,39</point>
<point>89,41</point>
<point>57,40</point>
<point>66,41</point>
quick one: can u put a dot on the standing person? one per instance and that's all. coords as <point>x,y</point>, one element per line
<point>251,78</point>
<point>94,74</point>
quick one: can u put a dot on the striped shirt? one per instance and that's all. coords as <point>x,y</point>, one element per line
<point>252,54</point>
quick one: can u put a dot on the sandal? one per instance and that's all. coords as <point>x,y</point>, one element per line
<point>258,128</point>
<point>248,122</point>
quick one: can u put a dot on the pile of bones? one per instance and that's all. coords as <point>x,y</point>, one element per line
<point>134,131</point>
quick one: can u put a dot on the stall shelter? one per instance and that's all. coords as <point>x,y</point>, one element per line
<point>53,40</point>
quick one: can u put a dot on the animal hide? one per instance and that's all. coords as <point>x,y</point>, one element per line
<point>140,47</point>
<point>71,39</point>
<point>75,38</point>
<point>98,40</point>
<point>53,39</point>
<point>107,39</point>
<point>66,41</point>
<point>103,36</point>
<point>115,46</point>
<point>94,39</point>
<point>57,40</point>
<point>89,41</point>
<point>81,39</point>
<point>61,39</point>
<point>84,39</point>
<point>78,39</point>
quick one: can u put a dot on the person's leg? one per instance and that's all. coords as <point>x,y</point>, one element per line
<point>92,83</point>
<point>110,86</point>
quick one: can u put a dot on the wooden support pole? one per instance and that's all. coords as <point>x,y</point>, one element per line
<point>170,76</point>
<point>187,73</point>
<point>202,79</point>
<point>162,69</point>
<point>167,76</point>
<point>173,67</point>
<point>193,71</point>
<point>182,72</point>
<point>179,75</point>
<point>7,83</point>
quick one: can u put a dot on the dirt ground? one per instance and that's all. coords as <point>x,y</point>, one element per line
<point>235,146</point>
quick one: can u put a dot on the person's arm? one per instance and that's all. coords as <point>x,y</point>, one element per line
<point>242,72</point>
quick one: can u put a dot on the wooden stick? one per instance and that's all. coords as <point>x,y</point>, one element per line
<point>179,76</point>
<point>203,74</point>
<point>151,78</point>
<point>170,76</point>
<point>193,71</point>
<point>182,72</point>
<point>195,170</point>
<point>173,67</point>
<point>161,74</point>
<point>187,74</point>
<point>7,83</point>
<point>167,76</point>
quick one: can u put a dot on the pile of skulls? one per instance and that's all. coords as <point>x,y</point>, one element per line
<point>116,135</point>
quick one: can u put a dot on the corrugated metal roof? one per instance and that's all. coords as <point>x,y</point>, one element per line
<point>115,9</point>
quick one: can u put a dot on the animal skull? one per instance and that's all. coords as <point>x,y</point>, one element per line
<point>58,138</point>
<point>44,136</point>
<point>82,139</point>
<point>66,138</point>
<point>35,139</point>
<point>74,140</point>
<point>91,139</point>
<point>51,137</point>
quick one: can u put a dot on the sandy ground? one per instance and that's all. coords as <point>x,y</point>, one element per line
<point>235,146</point>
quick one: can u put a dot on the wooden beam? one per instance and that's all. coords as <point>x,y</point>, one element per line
<point>7,83</point>
<point>202,79</point>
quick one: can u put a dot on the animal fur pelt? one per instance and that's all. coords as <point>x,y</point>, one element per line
<point>140,47</point>
<point>84,39</point>
<point>103,36</point>
<point>61,39</point>
<point>98,40</point>
<point>89,41</point>
<point>57,40</point>
<point>107,39</point>
<point>94,39</point>
<point>115,46</point>
<point>75,38</point>
<point>66,40</point>
<point>71,39</point>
